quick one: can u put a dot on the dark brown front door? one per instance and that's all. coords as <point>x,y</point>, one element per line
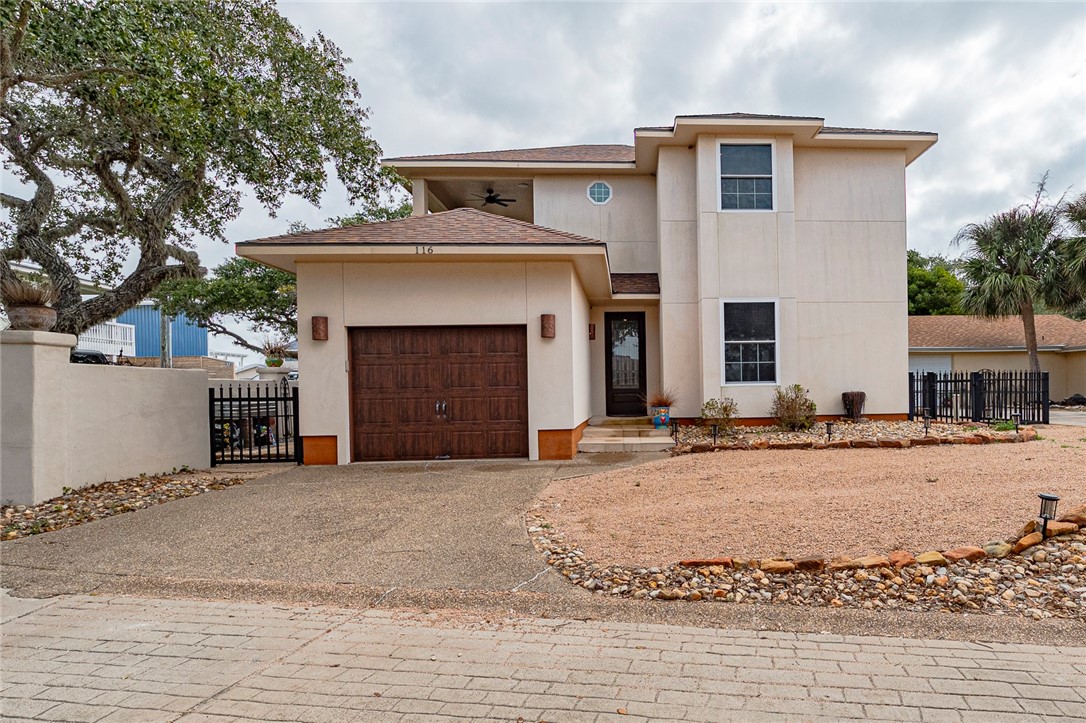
<point>625,363</point>
<point>458,392</point>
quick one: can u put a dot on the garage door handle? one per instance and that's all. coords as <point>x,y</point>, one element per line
<point>437,408</point>
<point>445,410</point>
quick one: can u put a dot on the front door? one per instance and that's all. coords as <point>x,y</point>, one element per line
<point>625,363</point>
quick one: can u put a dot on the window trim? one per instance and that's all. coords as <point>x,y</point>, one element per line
<point>772,143</point>
<point>776,301</point>
<point>610,194</point>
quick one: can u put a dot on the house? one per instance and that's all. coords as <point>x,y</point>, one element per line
<point>535,290</point>
<point>972,343</point>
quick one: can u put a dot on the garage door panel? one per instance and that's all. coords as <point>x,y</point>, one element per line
<point>398,374</point>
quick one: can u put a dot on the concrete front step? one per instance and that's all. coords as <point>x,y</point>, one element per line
<point>620,422</point>
<point>625,444</point>
<point>623,432</point>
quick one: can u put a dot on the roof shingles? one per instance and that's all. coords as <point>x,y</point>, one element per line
<point>635,283</point>
<point>975,332</point>
<point>461,226</point>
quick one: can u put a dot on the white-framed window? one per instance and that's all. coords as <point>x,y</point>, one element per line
<point>600,192</point>
<point>746,175</point>
<point>750,337</point>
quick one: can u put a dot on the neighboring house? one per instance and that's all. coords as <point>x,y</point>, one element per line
<point>973,343</point>
<point>187,339</point>
<point>536,289</point>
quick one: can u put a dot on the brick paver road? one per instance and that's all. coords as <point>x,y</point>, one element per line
<point>132,659</point>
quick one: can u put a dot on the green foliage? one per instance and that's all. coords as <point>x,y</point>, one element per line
<point>264,298</point>
<point>1030,255</point>
<point>135,125</point>
<point>792,408</point>
<point>721,412</point>
<point>934,290</point>
<point>1004,426</point>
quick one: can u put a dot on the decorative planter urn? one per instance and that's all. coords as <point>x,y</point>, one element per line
<point>32,318</point>
<point>273,362</point>
<point>661,417</point>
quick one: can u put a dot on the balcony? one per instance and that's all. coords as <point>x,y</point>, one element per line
<point>110,338</point>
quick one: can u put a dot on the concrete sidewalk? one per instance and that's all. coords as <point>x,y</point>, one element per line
<point>133,659</point>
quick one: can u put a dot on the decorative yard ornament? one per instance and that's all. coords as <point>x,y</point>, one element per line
<point>1048,511</point>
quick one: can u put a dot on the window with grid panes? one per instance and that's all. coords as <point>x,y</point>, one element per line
<point>750,341</point>
<point>746,177</point>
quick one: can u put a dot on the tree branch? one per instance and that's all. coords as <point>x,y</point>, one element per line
<point>220,330</point>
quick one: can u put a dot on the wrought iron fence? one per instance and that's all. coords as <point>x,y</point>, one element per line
<point>979,396</point>
<point>254,422</point>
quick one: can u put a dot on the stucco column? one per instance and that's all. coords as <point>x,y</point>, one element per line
<point>33,413</point>
<point>419,197</point>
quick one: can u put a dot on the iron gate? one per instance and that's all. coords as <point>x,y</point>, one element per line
<point>254,422</point>
<point>979,396</point>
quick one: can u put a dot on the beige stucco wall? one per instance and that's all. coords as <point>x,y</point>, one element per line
<point>627,222</point>
<point>70,425</point>
<point>439,294</point>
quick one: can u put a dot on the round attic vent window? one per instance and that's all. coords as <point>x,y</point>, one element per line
<point>599,193</point>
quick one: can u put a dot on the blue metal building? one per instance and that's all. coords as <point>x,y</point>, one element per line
<point>188,338</point>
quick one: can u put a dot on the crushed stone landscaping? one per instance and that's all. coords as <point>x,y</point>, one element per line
<point>96,502</point>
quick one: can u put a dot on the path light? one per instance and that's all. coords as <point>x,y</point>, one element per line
<point>1017,417</point>
<point>1048,511</point>
<point>675,430</point>
<point>927,422</point>
<point>716,430</point>
<point>829,431</point>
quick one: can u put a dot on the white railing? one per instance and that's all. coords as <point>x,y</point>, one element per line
<point>109,337</point>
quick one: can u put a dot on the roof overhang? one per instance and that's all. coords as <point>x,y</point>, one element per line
<point>805,133</point>
<point>984,349</point>
<point>504,169</point>
<point>589,261</point>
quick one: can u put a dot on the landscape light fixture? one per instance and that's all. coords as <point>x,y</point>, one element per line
<point>927,422</point>
<point>1017,418</point>
<point>829,431</point>
<point>716,430</point>
<point>675,429</point>
<point>1048,511</point>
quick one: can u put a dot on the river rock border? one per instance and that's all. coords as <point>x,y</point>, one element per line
<point>1025,434</point>
<point>1026,575</point>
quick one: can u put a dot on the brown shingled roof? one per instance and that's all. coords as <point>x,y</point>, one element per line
<point>975,332</point>
<point>459,226</point>
<point>553,154</point>
<point>635,283</point>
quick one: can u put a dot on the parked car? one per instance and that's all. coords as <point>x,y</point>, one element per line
<point>86,356</point>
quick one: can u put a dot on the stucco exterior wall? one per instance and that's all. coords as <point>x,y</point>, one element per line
<point>442,294</point>
<point>71,425</point>
<point>627,222</point>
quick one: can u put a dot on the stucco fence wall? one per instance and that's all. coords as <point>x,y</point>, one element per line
<point>71,425</point>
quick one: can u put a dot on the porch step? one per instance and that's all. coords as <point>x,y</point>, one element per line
<point>623,434</point>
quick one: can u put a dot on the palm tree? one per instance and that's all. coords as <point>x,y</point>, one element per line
<point>1022,258</point>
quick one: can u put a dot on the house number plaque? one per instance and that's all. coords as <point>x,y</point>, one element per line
<point>424,249</point>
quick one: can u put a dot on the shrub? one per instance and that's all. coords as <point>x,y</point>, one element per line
<point>275,348</point>
<point>721,412</point>
<point>662,398</point>
<point>1004,426</point>
<point>854,404</point>
<point>792,408</point>
<point>17,292</point>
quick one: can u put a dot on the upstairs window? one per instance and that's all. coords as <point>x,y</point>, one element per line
<point>746,177</point>
<point>599,193</point>
<point>750,341</point>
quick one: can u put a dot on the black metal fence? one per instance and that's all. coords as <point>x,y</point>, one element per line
<point>979,396</point>
<point>254,422</point>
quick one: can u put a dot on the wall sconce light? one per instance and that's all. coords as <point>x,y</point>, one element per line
<point>1048,511</point>
<point>546,326</point>
<point>1017,418</point>
<point>829,430</point>
<point>320,328</point>
<point>591,332</point>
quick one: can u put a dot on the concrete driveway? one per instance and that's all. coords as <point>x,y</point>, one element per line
<point>424,526</point>
<point>1070,417</point>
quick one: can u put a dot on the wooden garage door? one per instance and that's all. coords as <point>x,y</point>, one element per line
<point>456,392</point>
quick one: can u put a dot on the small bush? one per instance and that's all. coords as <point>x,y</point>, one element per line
<point>17,292</point>
<point>1005,426</point>
<point>793,409</point>
<point>721,412</point>
<point>854,404</point>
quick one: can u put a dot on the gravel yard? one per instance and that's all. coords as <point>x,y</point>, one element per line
<point>829,502</point>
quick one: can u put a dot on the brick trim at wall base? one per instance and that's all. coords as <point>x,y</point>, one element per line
<point>560,443</point>
<point>769,421</point>
<point>320,450</point>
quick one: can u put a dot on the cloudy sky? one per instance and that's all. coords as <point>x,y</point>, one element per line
<point>1004,84</point>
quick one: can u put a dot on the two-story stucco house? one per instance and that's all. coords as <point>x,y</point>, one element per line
<point>536,289</point>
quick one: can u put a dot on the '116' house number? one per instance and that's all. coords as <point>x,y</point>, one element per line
<point>424,249</point>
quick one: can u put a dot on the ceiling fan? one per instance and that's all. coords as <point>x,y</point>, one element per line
<point>494,198</point>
